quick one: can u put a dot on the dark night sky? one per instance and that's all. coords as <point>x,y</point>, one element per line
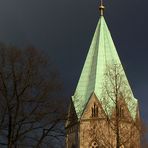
<point>64,30</point>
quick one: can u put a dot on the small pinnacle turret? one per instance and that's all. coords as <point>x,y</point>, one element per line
<point>101,8</point>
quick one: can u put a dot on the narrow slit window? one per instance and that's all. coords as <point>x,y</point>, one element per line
<point>94,111</point>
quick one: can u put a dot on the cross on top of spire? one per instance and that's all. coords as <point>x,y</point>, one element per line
<point>101,8</point>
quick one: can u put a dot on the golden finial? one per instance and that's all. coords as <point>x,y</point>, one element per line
<point>101,8</point>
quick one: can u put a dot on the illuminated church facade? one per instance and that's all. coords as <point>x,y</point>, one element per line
<point>103,112</point>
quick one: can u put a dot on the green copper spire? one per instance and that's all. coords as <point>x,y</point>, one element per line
<point>102,53</point>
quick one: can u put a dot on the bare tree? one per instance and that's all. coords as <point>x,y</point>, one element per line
<point>117,99</point>
<point>31,110</point>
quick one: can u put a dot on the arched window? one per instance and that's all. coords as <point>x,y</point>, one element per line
<point>94,144</point>
<point>94,111</point>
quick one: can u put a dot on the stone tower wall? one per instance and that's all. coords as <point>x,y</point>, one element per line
<point>97,130</point>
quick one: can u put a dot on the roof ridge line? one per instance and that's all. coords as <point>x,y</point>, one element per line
<point>98,49</point>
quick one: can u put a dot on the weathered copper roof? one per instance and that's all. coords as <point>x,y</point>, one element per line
<point>102,52</point>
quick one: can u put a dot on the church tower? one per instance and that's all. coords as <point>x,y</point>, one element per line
<point>103,112</point>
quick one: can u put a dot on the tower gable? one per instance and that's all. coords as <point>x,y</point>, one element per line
<point>93,109</point>
<point>72,116</point>
<point>72,128</point>
<point>123,111</point>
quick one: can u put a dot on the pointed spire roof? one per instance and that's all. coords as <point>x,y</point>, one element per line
<point>102,52</point>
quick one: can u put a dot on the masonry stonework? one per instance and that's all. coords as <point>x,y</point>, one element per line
<point>99,131</point>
